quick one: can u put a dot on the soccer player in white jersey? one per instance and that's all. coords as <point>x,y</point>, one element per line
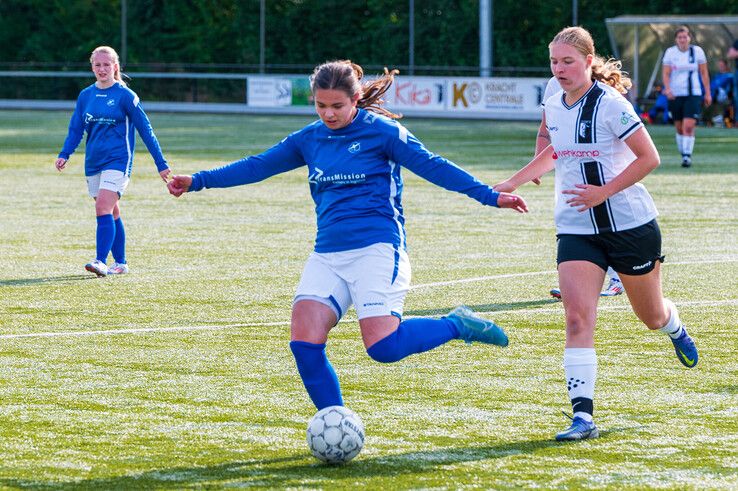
<point>604,216</point>
<point>353,155</point>
<point>684,67</point>
<point>110,113</point>
<point>543,139</point>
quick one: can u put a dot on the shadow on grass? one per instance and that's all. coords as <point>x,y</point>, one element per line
<point>486,307</point>
<point>302,470</point>
<point>53,279</point>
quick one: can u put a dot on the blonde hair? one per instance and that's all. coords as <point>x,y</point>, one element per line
<point>347,76</point>
<point>607,71</point>
<point>113,54</point>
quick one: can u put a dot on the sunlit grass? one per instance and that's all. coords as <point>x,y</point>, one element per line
<point>179,374</point>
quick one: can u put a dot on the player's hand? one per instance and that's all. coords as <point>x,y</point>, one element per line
<point>165,174</point>
<point>60,164</point>
<point>512,201</point>
<point>586,196</point>
<point>504,187</point>
<point>179,185</point>
<point>708,99</point>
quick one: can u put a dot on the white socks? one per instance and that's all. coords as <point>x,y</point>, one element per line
<point>674,327</point>
<point>685,144</point>
<point>580,368</point>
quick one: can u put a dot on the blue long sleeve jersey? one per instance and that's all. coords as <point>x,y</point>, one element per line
<point>354,177</point>
<point>109,117</point>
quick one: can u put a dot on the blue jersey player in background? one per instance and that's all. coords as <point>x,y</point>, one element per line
<point>353,155</point>
<point>109,111</point>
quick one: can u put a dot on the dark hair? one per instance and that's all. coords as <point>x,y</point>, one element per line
<point>346,76</point>
<point>682,29</point>
<point>607,71</point>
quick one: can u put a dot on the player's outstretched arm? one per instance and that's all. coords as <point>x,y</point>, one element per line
<point>165,174</point>
<point>179,185</point>
<point>541,164</point>
<point>512,201</point>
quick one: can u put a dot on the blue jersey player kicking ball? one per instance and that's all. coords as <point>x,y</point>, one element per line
<point>109,112</point>
<point>353,155</point>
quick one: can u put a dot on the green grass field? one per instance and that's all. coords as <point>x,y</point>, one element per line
<point>179,374</point>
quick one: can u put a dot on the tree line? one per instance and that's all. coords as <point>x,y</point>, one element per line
<point>224,35</point>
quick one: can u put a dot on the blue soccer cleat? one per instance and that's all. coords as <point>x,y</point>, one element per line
<point>685,349</point>
<point>580,429</point>
<point>474,328</point>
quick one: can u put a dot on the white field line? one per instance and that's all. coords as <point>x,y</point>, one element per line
<point>557,308</point>
<point>143,330</point>
<point>553,271</point>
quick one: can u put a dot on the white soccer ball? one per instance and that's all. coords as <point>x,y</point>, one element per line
<point>335,435</point>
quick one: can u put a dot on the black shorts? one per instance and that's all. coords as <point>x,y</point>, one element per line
<point>688,106</point>
<point>630,252</point>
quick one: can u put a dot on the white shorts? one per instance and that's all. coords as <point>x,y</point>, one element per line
<point>112,180</point>
<point>375,279</point>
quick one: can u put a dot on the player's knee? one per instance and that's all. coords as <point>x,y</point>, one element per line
<point>578,325</point>
<point>386,350</point>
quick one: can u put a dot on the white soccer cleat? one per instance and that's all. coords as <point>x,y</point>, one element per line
<point>614,288</point>
<point>118,268</point>
<point>97,267</point>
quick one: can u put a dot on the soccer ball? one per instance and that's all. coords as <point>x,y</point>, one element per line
<point>335,435</point>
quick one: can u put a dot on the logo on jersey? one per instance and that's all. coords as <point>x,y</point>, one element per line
<point>584,127</point>
<point>354,147</point>
<point>111,102</point>
<point>626,118</point>
<point>89,118</point>
<point>578,153</point>
<point>552,128</point>
<point>318,177</point>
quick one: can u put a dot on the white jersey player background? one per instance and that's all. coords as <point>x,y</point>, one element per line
<point>588,141</point>
<point>685,70</point>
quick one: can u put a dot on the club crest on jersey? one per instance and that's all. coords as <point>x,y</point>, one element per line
<point>354,147</point>
<point>111,102</point>
<point>584,127</point>
<point>625,118</point>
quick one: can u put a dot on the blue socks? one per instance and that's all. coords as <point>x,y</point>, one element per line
<point>413,336</point>
<point>105,236</point>
<point>119,242</point>
<point>317,374</point>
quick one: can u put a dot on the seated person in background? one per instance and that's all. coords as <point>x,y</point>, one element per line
<point>659,112</point>
<point>721,88</point>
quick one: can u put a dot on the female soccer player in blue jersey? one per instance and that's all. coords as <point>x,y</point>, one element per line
<point>604,216</point>
<point>353,155</point>
<point>109,111</point>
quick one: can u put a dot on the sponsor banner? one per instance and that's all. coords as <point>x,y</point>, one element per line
<point>278,91</point>
<point>495,94</point>
<point>456,97</point>
<point>421,93</point>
